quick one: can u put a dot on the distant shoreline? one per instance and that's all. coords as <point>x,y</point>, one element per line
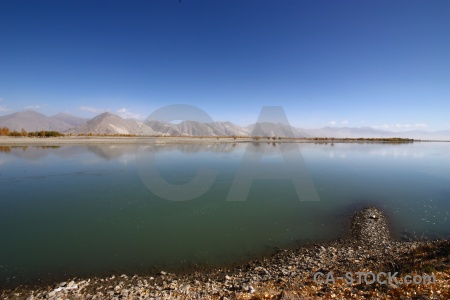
<point>67,140</point>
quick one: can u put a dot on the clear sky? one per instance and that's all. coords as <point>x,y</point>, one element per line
<point>342,63</point>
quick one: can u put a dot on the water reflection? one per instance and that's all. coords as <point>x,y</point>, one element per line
<point>109,152</point>
<point>84,210</point>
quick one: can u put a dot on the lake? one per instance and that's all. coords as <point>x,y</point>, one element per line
<point>83,210</point>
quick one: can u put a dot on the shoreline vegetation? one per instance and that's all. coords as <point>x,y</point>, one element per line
<point>48,137</point>
<point>286,274</point>
<point>54,138</point>
<point>8,136</point>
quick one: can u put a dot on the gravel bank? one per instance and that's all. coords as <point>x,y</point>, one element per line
<point>288,274</point>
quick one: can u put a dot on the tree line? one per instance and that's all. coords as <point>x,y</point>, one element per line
<point>5,131</point>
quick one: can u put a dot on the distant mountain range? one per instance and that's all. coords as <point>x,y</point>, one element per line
<point>107,123</point>
<point>34,121</point>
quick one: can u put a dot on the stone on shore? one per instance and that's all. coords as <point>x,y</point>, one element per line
<point>370,228</point>
<point>287,274</point>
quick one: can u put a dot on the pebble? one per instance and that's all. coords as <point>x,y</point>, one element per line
<point>285,267</point>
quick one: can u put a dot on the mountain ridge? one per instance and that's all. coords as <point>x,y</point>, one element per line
<point>70,119</point>
<point>33,121</point>
<point>109,123</point>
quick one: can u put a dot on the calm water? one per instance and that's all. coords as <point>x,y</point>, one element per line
<point>84,210</point>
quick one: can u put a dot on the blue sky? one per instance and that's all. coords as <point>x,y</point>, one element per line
<point>384,64</point>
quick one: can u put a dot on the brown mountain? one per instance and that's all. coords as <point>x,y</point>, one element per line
<point>33,121</point>
<point>107,123</point>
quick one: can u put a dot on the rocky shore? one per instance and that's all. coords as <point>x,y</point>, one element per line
<point>310,272</point>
